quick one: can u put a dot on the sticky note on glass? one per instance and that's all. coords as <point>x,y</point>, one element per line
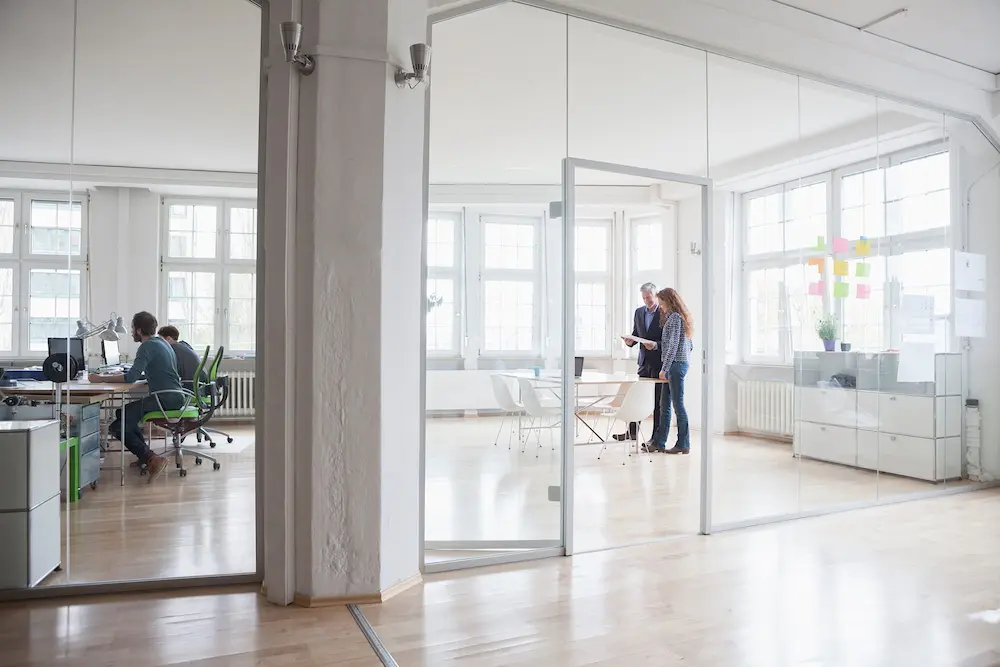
<point>840,267</point>
<point>820,243</point>
<point>840,245</point>
<point>840,290</point>
<point>862,270</point>
<point>864,291</point>
<point>816,289</point>
<point>817,262</point>
<point>863,247</point>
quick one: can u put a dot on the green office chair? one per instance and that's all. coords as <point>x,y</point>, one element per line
<point>191,416</point>
<point>218,386</point>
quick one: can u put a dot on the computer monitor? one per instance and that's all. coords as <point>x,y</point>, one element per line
<point>109,350</point>
<point>58,346</point>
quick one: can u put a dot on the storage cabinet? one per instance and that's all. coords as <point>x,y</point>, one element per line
<point>909,429</point>
<point>29,502</point>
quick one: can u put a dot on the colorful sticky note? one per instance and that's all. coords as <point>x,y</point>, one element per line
<point>840,290</point>
<point>817,262</point>
<point>840,267</point>
<point>863,247</point>
<point>816,289</point>
<point>820,243</point>
<point>839,245</point>
<point>862,270</point>
<point>864,291</point>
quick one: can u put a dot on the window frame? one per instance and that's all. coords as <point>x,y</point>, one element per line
<point>605,220</point>
<point>886,246</point>
<point>222,265</point>
<point>455,273</point>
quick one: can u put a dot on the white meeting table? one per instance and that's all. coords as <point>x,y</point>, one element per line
<point>550,380</point>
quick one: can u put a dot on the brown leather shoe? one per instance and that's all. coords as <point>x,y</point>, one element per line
<point>677,450</point>
<point>155,465</point>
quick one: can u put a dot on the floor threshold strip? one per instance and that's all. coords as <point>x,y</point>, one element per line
<point>369,632</point>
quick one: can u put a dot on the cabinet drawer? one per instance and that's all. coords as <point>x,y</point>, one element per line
<point>828,406</point>
<point>868,454</point>
<point>89,443</point>
<point>906,415</point>
<point>90,411</point>
<point>90,468</point>
<point>829,443</point>
<point>906,455</point>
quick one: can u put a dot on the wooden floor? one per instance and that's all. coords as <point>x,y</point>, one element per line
<point>478,491</point>
<point>204,630</point>
<point>202,524</point>
<point>906,585</point>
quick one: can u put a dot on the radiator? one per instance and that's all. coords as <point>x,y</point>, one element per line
<point>241,399</point>
<point>765,407</point>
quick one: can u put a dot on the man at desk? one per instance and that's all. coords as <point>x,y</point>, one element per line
<point>187,358</point>
<point>646,324</point>
<point>156,361</point>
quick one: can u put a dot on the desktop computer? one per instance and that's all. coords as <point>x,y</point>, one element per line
<point>71,346</point>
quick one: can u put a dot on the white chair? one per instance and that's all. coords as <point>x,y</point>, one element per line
<point>538,411</point>
<point>511,408</point>
<point>636,407</point>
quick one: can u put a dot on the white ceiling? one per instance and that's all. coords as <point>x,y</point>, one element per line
<point>159,83</point>
<point>498,114</point>
<point>965,31</point>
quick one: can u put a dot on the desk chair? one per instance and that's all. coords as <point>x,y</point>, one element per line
<point>191,416</point>
<point>219,389</point>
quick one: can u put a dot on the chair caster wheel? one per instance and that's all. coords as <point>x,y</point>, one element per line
<point>143,471</point>
<point>93,486</point>
<point>198,437</point>
<point>229,439</point>
<point>197,462</point>
<point>211,444</point>
<point>178,465</point>
<point>184,473</point>
<point>216,465</point>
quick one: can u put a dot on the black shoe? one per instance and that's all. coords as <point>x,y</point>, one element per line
<point>676,450</point>
<point>650,448</point>
<point>620,437</point>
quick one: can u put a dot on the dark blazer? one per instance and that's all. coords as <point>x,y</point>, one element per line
<point>649,360</point>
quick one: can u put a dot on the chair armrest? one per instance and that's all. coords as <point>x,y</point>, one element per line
<point>188,395</point>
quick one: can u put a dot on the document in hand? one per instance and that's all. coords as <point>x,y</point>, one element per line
<point>641,340</point>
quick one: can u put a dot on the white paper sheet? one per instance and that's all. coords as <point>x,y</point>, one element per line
<point>640,340</point>
<point>918,314</point>
<point>916,362</point>
<point>970,271</point>
<point>970,318</point>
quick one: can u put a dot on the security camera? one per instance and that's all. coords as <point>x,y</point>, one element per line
<point>420,56</point>
<point>291,41</point>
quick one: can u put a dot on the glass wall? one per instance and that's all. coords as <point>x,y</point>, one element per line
<point>140,234</point>
<point>836,221</point>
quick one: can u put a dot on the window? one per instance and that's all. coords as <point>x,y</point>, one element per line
<point>901,206</point>
<point>592,261</point>
<point>42,269</point>
<point>209,271</point>
<point>442,281</point>
<point>510,279</point>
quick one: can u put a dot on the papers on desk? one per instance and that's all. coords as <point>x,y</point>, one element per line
<point>640,340</point>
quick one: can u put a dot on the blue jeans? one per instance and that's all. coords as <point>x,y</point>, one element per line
<point>672,395</point>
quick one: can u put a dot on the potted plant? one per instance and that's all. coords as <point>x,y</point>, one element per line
<point>826,327</point>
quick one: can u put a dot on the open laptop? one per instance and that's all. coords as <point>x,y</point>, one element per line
<point>109,351</point>
<point>578,367</point>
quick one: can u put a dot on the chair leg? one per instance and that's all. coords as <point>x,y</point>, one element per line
<point>510,431</point>
<point>500,430</point>
<point>604,445</point>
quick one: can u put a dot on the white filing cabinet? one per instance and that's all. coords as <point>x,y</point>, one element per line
<point>29,502</point>
<point>912,429</point>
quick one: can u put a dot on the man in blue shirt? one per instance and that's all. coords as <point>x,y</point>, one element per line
<point>646,324</point>
<point>155,361</point>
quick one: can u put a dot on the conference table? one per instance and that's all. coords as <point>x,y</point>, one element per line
<point>551,381</point>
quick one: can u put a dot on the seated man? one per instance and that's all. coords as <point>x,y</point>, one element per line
<point>187,358</point>
<point>155,359</point>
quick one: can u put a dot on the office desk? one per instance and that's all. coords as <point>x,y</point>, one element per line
<point>551,380</point>
<point>81,401</point>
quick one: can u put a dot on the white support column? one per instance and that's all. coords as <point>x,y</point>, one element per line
<point>351,270</point>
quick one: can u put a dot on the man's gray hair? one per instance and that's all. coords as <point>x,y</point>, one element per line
<point>648,287</point>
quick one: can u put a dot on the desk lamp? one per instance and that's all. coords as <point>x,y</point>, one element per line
<point>111,329</point>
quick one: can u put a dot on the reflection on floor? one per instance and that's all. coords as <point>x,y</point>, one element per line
<point>898,585</point>
<point>202,524</point>
<point>219,628</point>
<point>478,491</point>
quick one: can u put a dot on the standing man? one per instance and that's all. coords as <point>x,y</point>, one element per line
<point>155,361</point>
<point>646,324</point>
